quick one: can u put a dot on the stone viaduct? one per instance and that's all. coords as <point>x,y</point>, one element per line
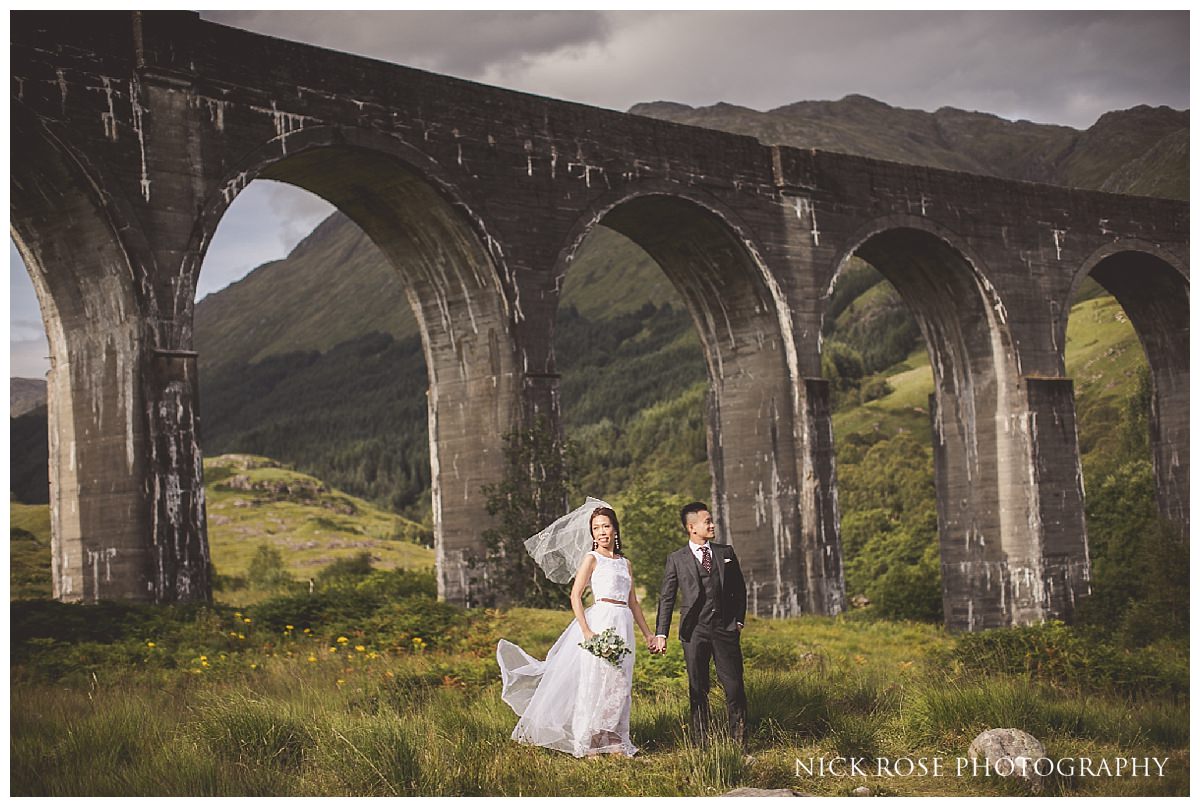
<point>132,132</point>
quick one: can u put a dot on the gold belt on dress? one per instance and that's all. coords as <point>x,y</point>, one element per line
<point>615,602</point>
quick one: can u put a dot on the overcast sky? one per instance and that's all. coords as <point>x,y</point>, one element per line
<point>1050,67</point>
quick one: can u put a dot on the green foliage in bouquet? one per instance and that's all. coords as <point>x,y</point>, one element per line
<point>608,645</point>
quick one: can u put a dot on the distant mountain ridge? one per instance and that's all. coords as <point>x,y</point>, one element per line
<point>1099,157</point>
<point>25,395</point>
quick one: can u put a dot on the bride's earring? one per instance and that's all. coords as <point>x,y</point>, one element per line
<point>595,546</point>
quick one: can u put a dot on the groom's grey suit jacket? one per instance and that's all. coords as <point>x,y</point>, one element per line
<point>682,578</point>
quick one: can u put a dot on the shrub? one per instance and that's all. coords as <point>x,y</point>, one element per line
<point>346,570</point>
<point>532,494</point>
<point>874,389</point>
<point>398,583</point>
<point>1058,654</point>
<point>398,623</point>
<point>267,570</point>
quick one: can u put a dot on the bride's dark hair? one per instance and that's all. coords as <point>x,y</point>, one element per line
<point>612,516</point>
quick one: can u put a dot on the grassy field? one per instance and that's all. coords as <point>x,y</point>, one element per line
<point>288,713</point>
<point>311,525</point>
<point>253,501</point>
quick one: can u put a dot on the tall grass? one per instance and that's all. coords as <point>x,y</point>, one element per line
<point>432,724</point>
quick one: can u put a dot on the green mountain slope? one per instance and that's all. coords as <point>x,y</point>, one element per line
<point>301,303</point>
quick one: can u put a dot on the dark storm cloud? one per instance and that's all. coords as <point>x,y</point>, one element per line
<point>1053,67</point>
<point>460,43</point>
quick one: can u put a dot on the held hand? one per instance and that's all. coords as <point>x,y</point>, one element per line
<point>588,633</point>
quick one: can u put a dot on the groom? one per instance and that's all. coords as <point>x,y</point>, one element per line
<point>712,611</point>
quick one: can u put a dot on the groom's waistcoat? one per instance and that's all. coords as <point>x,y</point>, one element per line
<point>710,589</point>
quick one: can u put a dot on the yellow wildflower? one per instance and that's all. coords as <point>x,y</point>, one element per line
<point>204,664</point>
<point>333,650</point>
<point>340,682</point>
<point>151,644</point>
<point>290,627</point>
<point>312,658</point>
<point>859,659</point>
<point>360,648</point>
<point>342,640</point>
<point>241,636</point>
<point>246,620</point>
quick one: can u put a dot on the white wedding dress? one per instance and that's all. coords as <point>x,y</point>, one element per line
<point>574,701</point>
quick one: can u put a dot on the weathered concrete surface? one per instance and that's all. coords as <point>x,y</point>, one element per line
<point>133,133</point>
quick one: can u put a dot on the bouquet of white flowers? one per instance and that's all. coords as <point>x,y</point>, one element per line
<point>607,645</point>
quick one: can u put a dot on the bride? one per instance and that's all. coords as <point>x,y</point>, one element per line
<point>574,701</point>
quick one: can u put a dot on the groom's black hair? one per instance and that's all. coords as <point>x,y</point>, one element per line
<point>688,509</point>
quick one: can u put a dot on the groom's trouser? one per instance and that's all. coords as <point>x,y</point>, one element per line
<point>725,650</point>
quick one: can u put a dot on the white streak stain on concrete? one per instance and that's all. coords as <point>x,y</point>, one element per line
<point>109,118</point>
<point>286,123</point>
<point>804,208</point>
<point>62,88</point>
<point>216,112</point>
<point>233,187</point>
<point>135,106</point>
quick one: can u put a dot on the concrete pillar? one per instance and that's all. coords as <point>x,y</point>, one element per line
<point>127,504</point>
<point>820,535</point>
<point>1170,436</point>
<point>973,567</point>
<point>1060,568</point>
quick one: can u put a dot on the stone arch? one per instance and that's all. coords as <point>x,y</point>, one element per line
<point>1153,287</point>
<point>745,335</point>
<point>450,266</point>
<point>981,449</point>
